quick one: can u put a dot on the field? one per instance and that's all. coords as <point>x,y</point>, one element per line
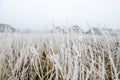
<point>59,57</point>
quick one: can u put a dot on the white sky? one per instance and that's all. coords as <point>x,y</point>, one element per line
<point>43,13</point>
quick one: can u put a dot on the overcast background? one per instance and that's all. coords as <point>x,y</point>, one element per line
<point>43,14</point>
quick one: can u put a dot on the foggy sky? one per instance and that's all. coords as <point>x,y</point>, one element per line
<point>43,13</point>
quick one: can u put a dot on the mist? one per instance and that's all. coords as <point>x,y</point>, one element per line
<point>42,14</point>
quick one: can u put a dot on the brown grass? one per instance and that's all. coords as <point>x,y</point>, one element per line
<point>59,57</point>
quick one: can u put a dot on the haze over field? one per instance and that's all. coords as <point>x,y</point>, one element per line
<point>59,40</point>
<point>41,14</point>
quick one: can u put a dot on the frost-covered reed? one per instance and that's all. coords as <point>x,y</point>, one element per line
<point>59,57</point>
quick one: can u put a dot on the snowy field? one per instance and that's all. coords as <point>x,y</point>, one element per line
<point>59,57</point>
